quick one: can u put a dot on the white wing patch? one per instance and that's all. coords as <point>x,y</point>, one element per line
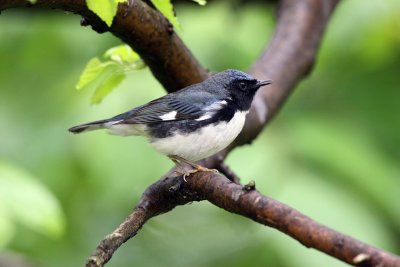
<point>170,116</point>
<point>205,116</point>
<point>202,143</point>
<point>212,109</point>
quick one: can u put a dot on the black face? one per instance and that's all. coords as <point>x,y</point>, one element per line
<point>240,87</point>
<point>243,90</point>
<point>246,86</point>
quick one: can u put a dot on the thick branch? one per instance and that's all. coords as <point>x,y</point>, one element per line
<point>288,58</point>
<point>146,31</point>
<point>171,191</point>
<point>252,204</point>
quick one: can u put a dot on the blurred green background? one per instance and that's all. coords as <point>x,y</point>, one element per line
<point>333,152</point>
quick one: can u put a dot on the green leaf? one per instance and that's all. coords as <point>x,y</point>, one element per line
<point>108,84</point>
<point>91,72</point>
<point>124,55</point>
<point>32,1</point>
<point>105,75</point>
<point>30,203</point>
<point>200,2</point>
<point>165,7</point>
<point>101,72</point>
<point>105,9</point>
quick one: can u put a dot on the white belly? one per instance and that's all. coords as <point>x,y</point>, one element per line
<point>204,142</point>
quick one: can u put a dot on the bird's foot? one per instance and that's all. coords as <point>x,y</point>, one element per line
<point>196,167</point>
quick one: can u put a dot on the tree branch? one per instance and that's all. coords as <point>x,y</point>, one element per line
<point>160,197</point>
<point>171,191</point>
<point>147,31</point>
<point>252,204</point>
<point>287,60</point>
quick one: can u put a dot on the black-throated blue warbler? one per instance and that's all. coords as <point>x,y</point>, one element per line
<point>192,123</point>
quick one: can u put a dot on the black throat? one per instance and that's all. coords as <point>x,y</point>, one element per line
<point>243,100</point>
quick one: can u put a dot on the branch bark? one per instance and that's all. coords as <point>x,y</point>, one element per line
<point>171,191</point>
<point>287,59</point>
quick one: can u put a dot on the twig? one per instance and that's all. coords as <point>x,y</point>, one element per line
<point>161,197</point>
<point>113,241</point>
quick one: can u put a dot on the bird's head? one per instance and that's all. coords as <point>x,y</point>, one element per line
<point>240,86</point>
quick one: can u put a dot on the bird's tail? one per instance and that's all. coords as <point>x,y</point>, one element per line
<point>89,126</point>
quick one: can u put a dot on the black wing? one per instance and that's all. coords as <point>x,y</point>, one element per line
<point>172,107</point>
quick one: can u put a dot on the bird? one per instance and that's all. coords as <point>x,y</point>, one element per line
<point>192,123</point>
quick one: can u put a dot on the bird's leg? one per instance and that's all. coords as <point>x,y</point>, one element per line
<point>196,167</point>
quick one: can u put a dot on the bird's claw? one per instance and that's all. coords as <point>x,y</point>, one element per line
<point>198,168</point>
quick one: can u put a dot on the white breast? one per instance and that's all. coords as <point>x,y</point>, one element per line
<point>204,142</point>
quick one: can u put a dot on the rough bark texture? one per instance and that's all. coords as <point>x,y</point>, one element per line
<point>172,191</point>
<point>288,58</point>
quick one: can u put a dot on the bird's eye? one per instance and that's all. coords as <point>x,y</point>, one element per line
<point>242,86</point>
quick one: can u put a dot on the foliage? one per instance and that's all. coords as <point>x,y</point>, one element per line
<point>24,200</point>
<point>106,75</point>
<point>166,8</point>
<point>200,2</point>
<point>105,9</point>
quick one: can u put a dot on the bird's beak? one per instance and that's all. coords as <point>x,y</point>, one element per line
<point>263,83</point>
